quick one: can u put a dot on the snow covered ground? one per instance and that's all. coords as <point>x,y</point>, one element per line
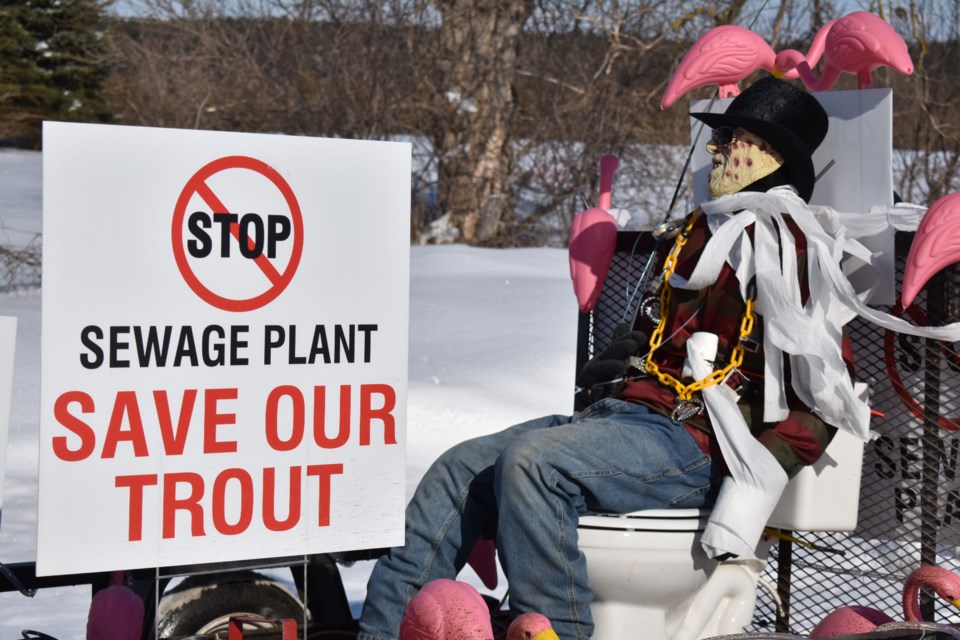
<point>492,338</point>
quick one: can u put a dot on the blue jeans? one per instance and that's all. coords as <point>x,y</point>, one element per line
<point>529,484</point>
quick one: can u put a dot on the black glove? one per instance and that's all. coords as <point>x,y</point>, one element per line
<point>602,375</point>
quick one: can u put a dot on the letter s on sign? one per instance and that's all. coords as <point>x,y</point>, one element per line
<point>88,439</point>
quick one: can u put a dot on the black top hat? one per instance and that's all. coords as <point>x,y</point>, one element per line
<point>789,118</point>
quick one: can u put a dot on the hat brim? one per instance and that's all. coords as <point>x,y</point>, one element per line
<point>794,152</point>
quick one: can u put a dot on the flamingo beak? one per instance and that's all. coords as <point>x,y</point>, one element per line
<point>956,603</point>
<point>546,634</point>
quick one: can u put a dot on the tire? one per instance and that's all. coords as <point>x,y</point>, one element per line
<point>204,604</point>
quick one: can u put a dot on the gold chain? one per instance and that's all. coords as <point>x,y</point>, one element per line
<point>686,391</point>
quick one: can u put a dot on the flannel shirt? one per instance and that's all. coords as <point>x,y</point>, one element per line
<point>798,440</point>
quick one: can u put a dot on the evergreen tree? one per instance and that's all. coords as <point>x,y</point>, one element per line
<point>53,65</point>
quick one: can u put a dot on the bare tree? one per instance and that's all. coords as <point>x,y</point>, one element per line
<point>480,49</point>
<point>927,104</point>
<point>510,103</point>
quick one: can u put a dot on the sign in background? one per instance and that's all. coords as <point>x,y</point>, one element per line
<point>224,347</point>
<point>8,345</point>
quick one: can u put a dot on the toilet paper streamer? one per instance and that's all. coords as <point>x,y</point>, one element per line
<point>805,333</point>
<point>756,481</point>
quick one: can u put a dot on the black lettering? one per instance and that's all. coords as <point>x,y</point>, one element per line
<point>908,456</point>
<point>366,329</point>
<point>952,507</point>
<point>186,348</point>
<point>116,346</point>
<point>273,338</point>
<point>947,458</point>
<point>953,448</point>
<point>292,347</point>
<point>152,348</point>
<point>87,336</point>
<point>217,349</point>
<point>279,230</point>
<point>340,339</point>
<point>246,250</point>
<point>319,346</point>
<point>236,344</point>
<point>198,223</point>
<point>225,220</point>
<point>903,500</point>
<point>885,467</point>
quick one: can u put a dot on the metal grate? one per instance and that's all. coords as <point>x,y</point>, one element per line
<point>20,267</point>
<point>910,491</point>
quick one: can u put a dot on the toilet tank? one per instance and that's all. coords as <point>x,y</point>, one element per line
<point>824,496</point>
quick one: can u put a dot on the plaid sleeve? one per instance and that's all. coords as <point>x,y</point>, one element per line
<point>797,441</point>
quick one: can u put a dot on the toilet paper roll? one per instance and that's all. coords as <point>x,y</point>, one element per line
<point>748,496</point>
<point>704,344</point>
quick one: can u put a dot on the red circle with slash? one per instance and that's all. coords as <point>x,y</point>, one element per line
<point>278,279</point>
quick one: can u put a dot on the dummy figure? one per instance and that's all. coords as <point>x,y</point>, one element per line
<point>637,445</point>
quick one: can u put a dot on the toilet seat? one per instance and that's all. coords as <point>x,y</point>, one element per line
<point>650,520</point>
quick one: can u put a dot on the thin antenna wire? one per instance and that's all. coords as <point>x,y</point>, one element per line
<point>824,170</point>
<point>686,164</point>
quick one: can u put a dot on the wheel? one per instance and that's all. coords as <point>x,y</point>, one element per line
<point>203,605</point>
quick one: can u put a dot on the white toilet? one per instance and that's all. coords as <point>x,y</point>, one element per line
<point>652,580</point>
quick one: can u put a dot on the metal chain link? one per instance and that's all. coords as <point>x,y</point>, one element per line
<point>686,391</point>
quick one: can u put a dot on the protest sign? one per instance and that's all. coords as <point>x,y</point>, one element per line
<point>224,346</point>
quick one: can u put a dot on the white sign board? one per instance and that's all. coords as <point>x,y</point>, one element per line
<point>224,346</point>
<point>8,347</point>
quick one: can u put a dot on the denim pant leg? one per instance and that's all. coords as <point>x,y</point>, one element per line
<point>615,457</point>
<point>453,503</point>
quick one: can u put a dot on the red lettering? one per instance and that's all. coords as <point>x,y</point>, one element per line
<point>230,504</point>
<point>212,420</point>
<point>296,429</point>
<point>220,502</point>
<point>174,439</point>
<point>368,413</point>
<point>136,485</point>
<point>320,418</point>
<point>190,504</point>
<point>323,473</point>
<point>270,498</point>
<point>88,439</point>
<point>125,405</point>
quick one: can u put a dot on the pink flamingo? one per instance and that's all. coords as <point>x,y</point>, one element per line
<point>857,619</point>
<point>935,245</point>
<point>792,61</point>
<point>724,56</point>
<point>451,610</point>
<point>116,612</point>
<point>593,240</point>
<point>446,610</point>
<point>857,43</point>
